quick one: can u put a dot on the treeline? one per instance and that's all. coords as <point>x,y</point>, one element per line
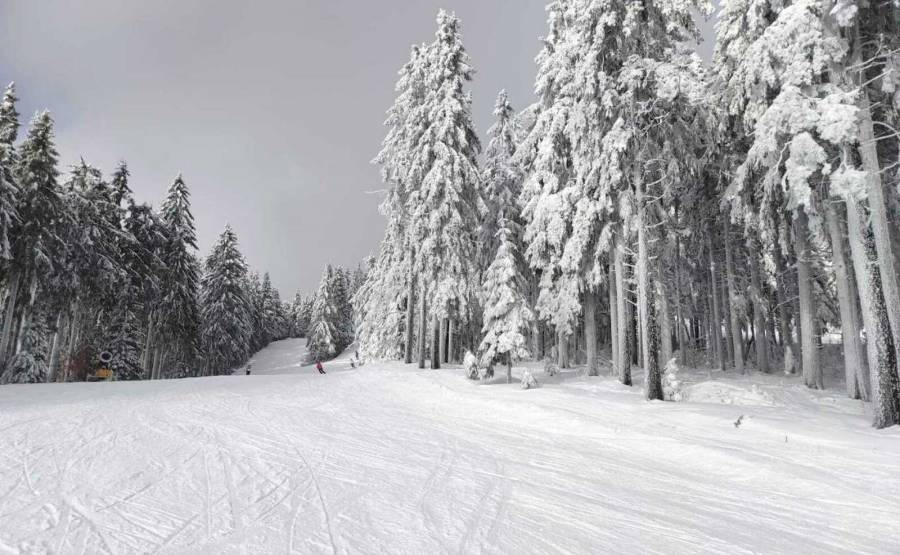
<point>652,206</point>
<point>87,269</point>
<point>330,328</point>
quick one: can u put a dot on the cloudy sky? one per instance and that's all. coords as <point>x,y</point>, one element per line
<point>272,110</point>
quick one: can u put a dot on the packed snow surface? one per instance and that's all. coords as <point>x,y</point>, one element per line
<point>391,459</point>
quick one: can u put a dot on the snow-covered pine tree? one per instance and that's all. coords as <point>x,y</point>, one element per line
<point>144,259</point>
<point>123,339</point>
<point>324,335</point>
<point>392,281</point>
<point>226,321</point>
<point>344,323</point>
<point>443,210</point>
<point>381,304</point>
<point>121,191</point>
<point>502,180</point>
<point>178,313</point>
<point>271,307</point>
<point>29,364</point>
<point>507,315</point>
<point>9,117</point>
<point>545,155</point>
<point>37,242</point>
<point>9,129</point>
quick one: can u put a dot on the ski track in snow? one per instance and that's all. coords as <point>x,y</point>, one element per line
<point>390,459</point>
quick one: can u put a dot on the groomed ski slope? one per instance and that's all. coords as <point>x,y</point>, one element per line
<point>390,459</point>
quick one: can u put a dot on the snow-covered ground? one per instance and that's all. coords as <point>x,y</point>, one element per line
<point>390,459</point>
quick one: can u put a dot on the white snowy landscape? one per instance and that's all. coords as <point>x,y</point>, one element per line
<point>574,276</point>
<point>387,459</point>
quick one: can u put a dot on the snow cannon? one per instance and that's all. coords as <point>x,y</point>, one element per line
<point>104,373</point>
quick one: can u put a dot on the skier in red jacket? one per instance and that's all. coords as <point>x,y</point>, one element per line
<point>319,367</point>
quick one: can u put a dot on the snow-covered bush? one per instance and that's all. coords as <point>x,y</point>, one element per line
<point>528,380</point>
<point>470,365</point>
<point>550,367</point>
<point>24,368</point>
<point>671,385</point>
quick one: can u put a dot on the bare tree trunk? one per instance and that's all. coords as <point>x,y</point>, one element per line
<point>812,371</point>
<point>613,317</point>
<point>680,331</point>
<point>442,340</point>
<point>878,210</point>
<point>665,329</point>
<point>624,367</point>
<point>562,348</point>
<point>451,354</point>
<point>55,347</point>
<point>410,317</point>
<point>716,328</point>
<point>590,332</point>
<point>423,325</point>
<point>853,356</point>
<point>71,341</point>
<point>435,341</point>
<point>646,312</point>
<point>9,315</point>
<point>147,355</point>
<point>863,376</point>
<point>760,320</point>
<point>782,297</point>
<point>736,333</point>
<point>508,367</point>
<point>880,348</point>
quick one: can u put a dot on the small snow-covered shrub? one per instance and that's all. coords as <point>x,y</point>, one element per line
<point>470,365</point>
<point>528,380</point>
<point>671,385</point>
<point>550,367</point>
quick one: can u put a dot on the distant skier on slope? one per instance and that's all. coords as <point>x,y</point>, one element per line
<point>319,367</point>
<point>249,367</point>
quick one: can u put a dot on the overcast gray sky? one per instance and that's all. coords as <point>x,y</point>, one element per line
<point>271,109</point>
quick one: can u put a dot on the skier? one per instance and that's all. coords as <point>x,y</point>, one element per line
<point>249,367</point>
<point>319,367</point>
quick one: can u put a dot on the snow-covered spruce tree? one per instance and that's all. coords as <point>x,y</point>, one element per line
<point>443,210</point>
<point>545,155</point>
<point>225,319</point>
<point>37,242</point>
<point>324,338</point>
<point>381,304</point>
<point>121,191</point>
<point>502,180</point>
<point>299,315</point>
<point>391,283</point>
<point>147,272</point>
<point>344,322</point>
<point>507,315</point>
<point>9,128</point>
<point>122,339</point>
<point>9,117</point>
<point>178,313</point>
<point>271,311</point>
<point>29,365</point>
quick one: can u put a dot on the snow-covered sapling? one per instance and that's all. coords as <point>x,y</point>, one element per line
<point>550,367</point>
<point>470,365</point>
<point>671,385</point>
<point>528,380</point>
